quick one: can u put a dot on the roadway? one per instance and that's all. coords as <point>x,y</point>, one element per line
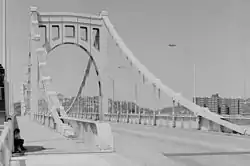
<point>137,145</point>
<point>154,146</point>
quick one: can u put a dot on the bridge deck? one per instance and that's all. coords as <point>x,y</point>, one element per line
<point>159,146</point>
<point>46,147</point>
<point>137,144</point>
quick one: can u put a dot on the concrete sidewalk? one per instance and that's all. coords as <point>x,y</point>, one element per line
<point>46,147</point>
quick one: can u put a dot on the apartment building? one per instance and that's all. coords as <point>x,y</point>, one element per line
<point>219,105</point>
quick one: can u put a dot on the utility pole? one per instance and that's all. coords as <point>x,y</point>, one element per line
<point>194,88</point>
<point>245,79</point>
<point>245,97</point>
<point>113,96</point>
<point>136,97</point>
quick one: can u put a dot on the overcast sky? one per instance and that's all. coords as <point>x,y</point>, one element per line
<point>212,34</point>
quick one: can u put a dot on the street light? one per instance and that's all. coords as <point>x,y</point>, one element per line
<point>245,79</point>
<point>194,84</point>
<point>113,91</point>
<point>194,76</point>
<point>135,89</point>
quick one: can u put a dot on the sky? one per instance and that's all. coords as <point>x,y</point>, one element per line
<point>214,35</point>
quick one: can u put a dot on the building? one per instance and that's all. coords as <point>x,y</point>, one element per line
<point>219,105</point>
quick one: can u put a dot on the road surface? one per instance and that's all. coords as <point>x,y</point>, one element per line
<point>152,146</point>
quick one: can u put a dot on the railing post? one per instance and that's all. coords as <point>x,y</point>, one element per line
<point>91,108</point>
<point>139,115</point>
<point>154,118</point>
<point>198,122</point>
<point>173,115</point>
<point>118,116</point>
<point>109,118</point>
<point>127,117</point>
<point>44,119</point>
<point>182,121</point>
<point>48,121</point>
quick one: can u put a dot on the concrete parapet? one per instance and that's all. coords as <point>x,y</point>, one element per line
<point>93,133</point>
<point>181,121</point>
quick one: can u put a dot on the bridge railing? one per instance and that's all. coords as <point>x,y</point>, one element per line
<point>85,115</point>
<point>94,133</point>
<point>176,121</point>
<point>7,140</point>
<point>147,117</point>
<point>154,119</point>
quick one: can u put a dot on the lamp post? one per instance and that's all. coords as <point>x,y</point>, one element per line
<point>245,79</point>
<point>173,107</point>
<point>194,84</point>
<point>135,90</point>
<point>113,93</point>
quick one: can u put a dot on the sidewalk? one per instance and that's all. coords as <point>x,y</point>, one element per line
<point>39,139</point>
<point>46,147</point>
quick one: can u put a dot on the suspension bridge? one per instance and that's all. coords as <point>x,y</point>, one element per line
<point>100,131</point>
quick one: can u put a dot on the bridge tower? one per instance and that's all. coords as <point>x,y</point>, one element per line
<point>87,32</point>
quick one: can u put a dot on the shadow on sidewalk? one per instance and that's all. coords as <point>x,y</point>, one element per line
<point>46,140</point>
<point>36,148</point>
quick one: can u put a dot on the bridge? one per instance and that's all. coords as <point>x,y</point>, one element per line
<point>96,130</point>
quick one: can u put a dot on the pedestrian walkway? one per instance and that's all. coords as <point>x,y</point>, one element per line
<point>40,139</point>
<point>46,147</point>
